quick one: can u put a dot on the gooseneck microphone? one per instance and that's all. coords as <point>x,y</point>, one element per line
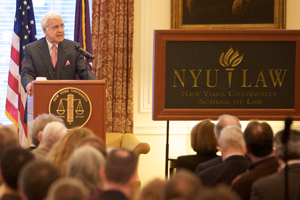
<point>84,52</point>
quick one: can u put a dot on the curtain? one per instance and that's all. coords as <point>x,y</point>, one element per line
<point>112,40</point>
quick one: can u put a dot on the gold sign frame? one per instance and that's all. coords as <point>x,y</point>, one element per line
<point>279,19</point>
<point>161,112</point>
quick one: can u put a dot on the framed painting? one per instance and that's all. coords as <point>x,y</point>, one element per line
<point>228,14</point>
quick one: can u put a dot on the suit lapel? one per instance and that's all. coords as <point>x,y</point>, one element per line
<point>45,55</point>
<point>61,58</point>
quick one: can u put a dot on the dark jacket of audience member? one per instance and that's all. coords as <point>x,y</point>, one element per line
<point>259,145</point>
<point>203,142</point>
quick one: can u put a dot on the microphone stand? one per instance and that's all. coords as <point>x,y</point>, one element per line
<point>86,69</point>
<point>285,141</point>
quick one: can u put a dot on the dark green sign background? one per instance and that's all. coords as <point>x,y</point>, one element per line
<point>258,59</point>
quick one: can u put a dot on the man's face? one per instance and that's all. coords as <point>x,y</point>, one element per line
<point>55,32</point>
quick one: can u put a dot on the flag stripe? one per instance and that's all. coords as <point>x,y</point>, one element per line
<point>14,55</point>
<point>13,83</point>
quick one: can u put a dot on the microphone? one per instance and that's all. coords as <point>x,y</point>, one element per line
<point>286,132</point>
<point>84,52</point>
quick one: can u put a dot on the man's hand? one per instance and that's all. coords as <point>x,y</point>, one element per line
<point>29,89</point>
<point>237,7</point>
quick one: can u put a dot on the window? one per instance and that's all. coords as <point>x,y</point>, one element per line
<point>7,14</point>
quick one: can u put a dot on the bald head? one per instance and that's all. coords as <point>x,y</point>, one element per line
<point>226,120</point>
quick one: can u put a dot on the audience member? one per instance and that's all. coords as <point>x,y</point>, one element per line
<point>67,188</point>
<point>62,150</point>
<point>35,179</point>
<point>119,175</point>
<point>223,121</point>
<point>232,147</point>
<point>183,185</point>
<point>273,186</point>
<point>51,134</point>
<point>84,164</point>
<point>95,142</point>
<point>153,190</point>
<point>36,127</point>
<point>203,142</point>
<point>12,160</point>
<point>220,192</point>
<point>259,147</point>
<point>8,138</point>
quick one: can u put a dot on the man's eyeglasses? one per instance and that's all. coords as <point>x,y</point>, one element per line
<point>56,27</point>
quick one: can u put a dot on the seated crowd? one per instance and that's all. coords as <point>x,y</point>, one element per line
<point>74,164</point>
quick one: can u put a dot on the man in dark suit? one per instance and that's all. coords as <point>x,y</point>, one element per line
<point>232,147</point>
<point>53,56</point>
<point>273,186</point>
<point>119,175</point>
<point>259,147</point>
<point>223,121</point>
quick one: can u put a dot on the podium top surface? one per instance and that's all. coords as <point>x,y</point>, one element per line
<point>70,82</point>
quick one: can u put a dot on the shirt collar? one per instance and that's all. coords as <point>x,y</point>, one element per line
<point>50,45</point>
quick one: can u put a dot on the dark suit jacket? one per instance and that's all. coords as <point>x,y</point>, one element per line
<point>190,162</point>
<point>203,166</point>
<point>272,187</point>
<point>38,63</point>
<point>256,171</point>
<point>224,172</point>
<point>112,195</point>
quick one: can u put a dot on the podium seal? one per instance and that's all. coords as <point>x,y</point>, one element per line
<point>72,105</point>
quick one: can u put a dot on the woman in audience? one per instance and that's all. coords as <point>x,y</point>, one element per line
<point>95,142</point>
<point>203,142</point>
<point>84,164</point>
<point>62,150</point>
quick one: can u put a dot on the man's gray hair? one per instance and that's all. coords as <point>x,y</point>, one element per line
<point>232,138</point>
<point>84,164</point>
<point>52,132</point>
<point>293,145</point>
<point>46,17</point>
<point>67,188</point>
<point>38,124</point>
<point>225,120</point>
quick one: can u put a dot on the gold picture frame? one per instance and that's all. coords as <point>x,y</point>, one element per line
<point>179,13</point>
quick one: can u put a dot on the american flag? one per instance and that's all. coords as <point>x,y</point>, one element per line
<point>23,34</point>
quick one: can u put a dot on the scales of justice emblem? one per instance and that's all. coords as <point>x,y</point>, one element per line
<point>72,105</point>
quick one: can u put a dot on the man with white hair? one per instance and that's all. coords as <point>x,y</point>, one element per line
<point>233,149</point>
<point>223,121</point>
<point>52,132</point>
<point>53,56</point>
<point>37,126</point>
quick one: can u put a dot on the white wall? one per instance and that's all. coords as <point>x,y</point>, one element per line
<point>151,15</point>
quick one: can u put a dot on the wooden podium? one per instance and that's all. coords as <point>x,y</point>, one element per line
<point>77,102</point>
